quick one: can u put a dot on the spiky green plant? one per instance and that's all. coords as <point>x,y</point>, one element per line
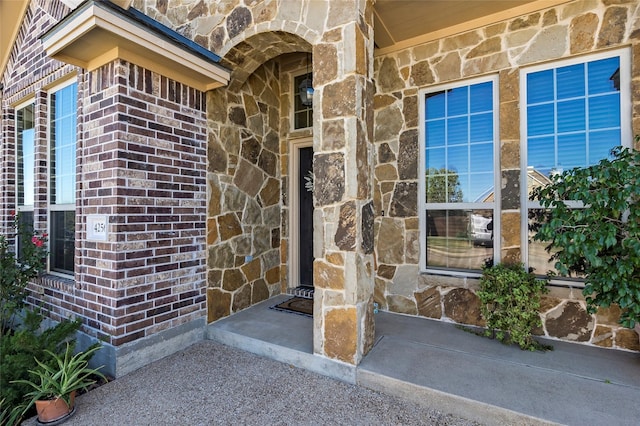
<point>68,373</point>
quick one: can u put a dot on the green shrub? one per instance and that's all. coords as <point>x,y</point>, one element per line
<point>19,351</point>
<point>20,345</point>
<point>18,270</point>
<point>510,303</point>
<point>602,240</point>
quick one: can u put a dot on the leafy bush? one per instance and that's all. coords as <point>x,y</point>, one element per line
<point>510,299</point>
<point>18,269</point>
<point>602,240</point>
<point>19,351</point>
<point>22,344</point>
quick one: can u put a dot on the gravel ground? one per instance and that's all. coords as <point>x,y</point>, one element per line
<point>212,384</point>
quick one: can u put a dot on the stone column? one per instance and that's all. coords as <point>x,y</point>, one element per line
<point>343,216</point>
<point>510,208</point>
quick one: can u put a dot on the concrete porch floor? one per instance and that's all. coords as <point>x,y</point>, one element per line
<point>455,371</point>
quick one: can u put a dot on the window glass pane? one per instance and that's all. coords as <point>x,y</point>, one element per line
<point>588,125</point>
<point>604,76</point>
<point>604,111</point>
<point>540,87</point>
<point>435,133</point>
<point>601,143</point>
<point>434,105</point>
<point>459,150</point>
<point>481,188</point>
<point>458,159</point>
<point>25,155</point>
<point>25,218</point>
<point>459,239</point>
<point>572,151</point>
<point>443,187</point>
<point>457,101</point>
<point>301,121</point>
<point>66,192</point>
<point>570,144</point>
<point>538,258</point>
<point>463,185</point>
<point>435,158</point>
<point>570,81</point>
<point>541,154</point>
<point>481,157</point>
<point>27,167</point>
<point>62,241</point>
<point>481,97</point>
<point>571,116</point>
<point>63,145</point>
<point>457,131</point>
<point>481,128</point>
<point>540,120</point>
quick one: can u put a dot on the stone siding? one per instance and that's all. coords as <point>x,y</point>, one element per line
<point>244,217</point>
<point>502,48</point>
<point>247,37</point>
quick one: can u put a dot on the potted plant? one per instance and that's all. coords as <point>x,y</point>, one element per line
<point>55,385</point>
<point>599,241</point>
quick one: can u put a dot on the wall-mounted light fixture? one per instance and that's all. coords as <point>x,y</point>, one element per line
<point>306,87</point>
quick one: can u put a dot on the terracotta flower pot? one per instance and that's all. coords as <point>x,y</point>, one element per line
<point>637,328</point>
<point>51,410</point>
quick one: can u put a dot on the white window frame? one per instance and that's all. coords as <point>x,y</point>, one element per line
<point>295,95</point>
<point>57,207</point>
<point>24,208</point>
<point>625,135</point>
<point>422,204</point>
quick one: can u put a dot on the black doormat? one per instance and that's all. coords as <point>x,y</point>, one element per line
<point>297,305</point>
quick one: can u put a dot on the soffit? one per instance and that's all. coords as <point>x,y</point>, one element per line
<point>399,24</point>
<point>11,16</point>
<point>98,33</point>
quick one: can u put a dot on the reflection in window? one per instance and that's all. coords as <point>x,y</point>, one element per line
<point>63,178</point>
<point>459,173</point>
<point>573,115</point>
<point>62,240</point>
<point>25,219</point>
<point>459,239</point>
<point>26,156</point>
<point>459,143</point>
<point>538,256</point>
<point>573,119</point>
<point>25,132</point>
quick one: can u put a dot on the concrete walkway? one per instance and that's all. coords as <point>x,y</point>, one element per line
<point>437,364</point>
<point>419,372</point>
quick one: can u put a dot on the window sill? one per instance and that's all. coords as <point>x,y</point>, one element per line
<point>56,282</point>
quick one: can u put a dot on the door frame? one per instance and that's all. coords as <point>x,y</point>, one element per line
<point>294,216</point>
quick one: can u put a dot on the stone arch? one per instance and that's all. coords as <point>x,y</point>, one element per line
<point>249,52</point>
<point>339,35</point>
<point>246,178</point>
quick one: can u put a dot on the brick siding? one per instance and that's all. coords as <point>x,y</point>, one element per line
<point>141,162</point>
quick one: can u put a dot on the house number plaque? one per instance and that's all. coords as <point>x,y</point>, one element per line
<point>97,227</point>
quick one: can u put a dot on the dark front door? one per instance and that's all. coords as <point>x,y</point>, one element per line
<point>305,227</point>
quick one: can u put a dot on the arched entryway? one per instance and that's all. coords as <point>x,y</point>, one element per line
<point>249,139</point>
